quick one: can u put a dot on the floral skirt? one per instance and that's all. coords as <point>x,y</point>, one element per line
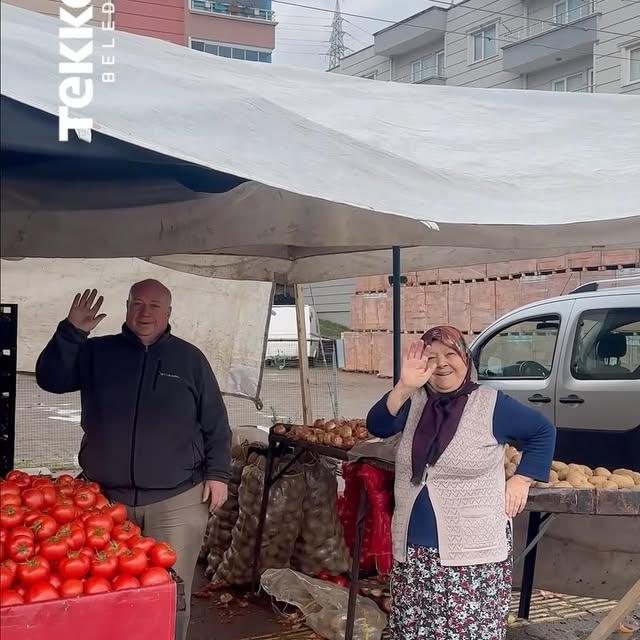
<point>432,602</point>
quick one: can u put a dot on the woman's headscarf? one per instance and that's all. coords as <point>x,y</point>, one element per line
<point>441,415</point>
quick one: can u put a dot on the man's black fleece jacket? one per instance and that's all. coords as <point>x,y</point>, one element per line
<point>154,420</point>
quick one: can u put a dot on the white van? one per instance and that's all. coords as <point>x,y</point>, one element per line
<point>576,358</point>
<point>282,345</point>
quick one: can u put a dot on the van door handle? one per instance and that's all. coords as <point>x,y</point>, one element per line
<point>572,399</point>
<point>539,399</point>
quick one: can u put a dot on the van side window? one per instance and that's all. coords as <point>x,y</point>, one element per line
<point>607,345</point>
<point>523,350</point>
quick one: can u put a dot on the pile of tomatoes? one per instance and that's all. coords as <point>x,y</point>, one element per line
<point>61,538</point>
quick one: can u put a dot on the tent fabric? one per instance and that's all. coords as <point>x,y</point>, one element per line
<point>226,320</point>
<point>336,169</point>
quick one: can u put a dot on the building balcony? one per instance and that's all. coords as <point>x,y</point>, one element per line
<point>562,37</point>
<point>413,33</point>
<point>429,76</point>
<point>233,9</point>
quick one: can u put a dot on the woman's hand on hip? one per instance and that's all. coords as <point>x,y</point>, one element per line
<point>516,494</point>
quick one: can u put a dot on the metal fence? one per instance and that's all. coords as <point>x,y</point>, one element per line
<point>48,431</point>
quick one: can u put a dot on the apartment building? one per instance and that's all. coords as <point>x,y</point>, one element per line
<point>244,30</point>
<point>548,45</point>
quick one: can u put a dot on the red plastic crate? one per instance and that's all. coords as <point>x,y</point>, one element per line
<point>135,614</point>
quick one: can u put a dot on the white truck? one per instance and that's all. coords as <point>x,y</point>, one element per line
<point>282,343</point>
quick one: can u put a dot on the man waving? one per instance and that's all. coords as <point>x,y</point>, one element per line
<point>156,432</point>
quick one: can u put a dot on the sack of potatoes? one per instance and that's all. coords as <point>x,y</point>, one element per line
<point>576,476</point>
<point>321,545</point>
<point>340,433</point>
<point>281,527</point>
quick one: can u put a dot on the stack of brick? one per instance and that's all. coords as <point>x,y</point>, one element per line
<point>469,298</point>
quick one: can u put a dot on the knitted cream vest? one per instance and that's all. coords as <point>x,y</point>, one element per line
<point>466,486</point>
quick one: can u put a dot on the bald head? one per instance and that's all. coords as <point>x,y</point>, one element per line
<point>148,310</point>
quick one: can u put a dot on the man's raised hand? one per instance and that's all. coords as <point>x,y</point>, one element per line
<point>83,313</point>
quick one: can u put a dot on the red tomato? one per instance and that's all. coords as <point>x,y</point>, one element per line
<point>10,499</point>
<point>22,590</point>
<point>97,538</point>
<point>64,478</point>
<point>71,588</point>
<point>34,570</point>
<point>49,495</point>
<point>133,562</point>
<point>101,501</point>
<point>75,565</point>
<point>99,521</point>
<point>20,532</point>
<point>123,532</point>
<point>10,566</point>
<point>21,478</point>
<point>55,580</point>
<point>117,511</point>
<point>41,591</point>
<point>153,576</point>
<point>20,549</point>
<point>3,553</point>
<point>84,498</point>
<point>64,511</point>
<point>7,575</point>
<point>74,534</point>
<point>44,527</point>
<point>40,482</point>
<point>89,554</point>
<point>104,565</point>
<point>115,547</point>
<point>145,543</point>
<point>4,535</point>
<point>54,548</point>
<point>94,487</point>
<point>120,583</point>
<point>162,555</point>
<point>11,516</point>
<point>30,517</point>
<point>8,488</point>
<point>33,499</point>
<point>96,585</point>
<point>65,490</point>
<point>10,598</point>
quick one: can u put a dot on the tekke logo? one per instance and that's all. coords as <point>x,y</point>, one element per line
<point>76,89</point>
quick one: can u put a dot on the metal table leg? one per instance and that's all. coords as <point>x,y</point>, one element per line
<point>268,472</point>
<point>354,586</point>
<point>529,567</point>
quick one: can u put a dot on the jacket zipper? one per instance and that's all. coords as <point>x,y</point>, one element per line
<point>135,425</point>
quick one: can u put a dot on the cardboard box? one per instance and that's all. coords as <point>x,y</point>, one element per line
<point>472,272</point>
<point>483,304</point>
<point>414,308</point>
<point>436,305</point>
<point>459,304</point>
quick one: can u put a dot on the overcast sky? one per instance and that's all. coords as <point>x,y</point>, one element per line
<point>302,35</point>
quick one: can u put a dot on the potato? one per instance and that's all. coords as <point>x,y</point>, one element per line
<point>563,473</point>
<point>587,470</point>
<point>563,484</point>
<point>576,467</point>
<point>558,466</point>
<point>623,482</point>
<point>623,472</point>
<point>541,485</point>
<point>337,441</point>
<point>609,485</point>
<point>349,442</point>
<point>602,471</point>
<point>636,477</point>
<point>280,429</point>
<point>553,476</point>
<point>597,481</point>
<point>510,469</point>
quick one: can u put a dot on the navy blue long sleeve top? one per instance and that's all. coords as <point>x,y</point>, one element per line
<point>513,423</point>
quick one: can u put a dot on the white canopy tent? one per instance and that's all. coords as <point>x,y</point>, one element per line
<point>251,171</point>
<point>329,171</point>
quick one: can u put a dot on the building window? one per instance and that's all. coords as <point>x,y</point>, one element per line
<point>428,67</point>
<point>230,51</point>
<point>245,9</point>
<point>569,10</point>
<point>573,83</point>
<point>440,64</point>
<point>483,43</point>
<point>634,64</point>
